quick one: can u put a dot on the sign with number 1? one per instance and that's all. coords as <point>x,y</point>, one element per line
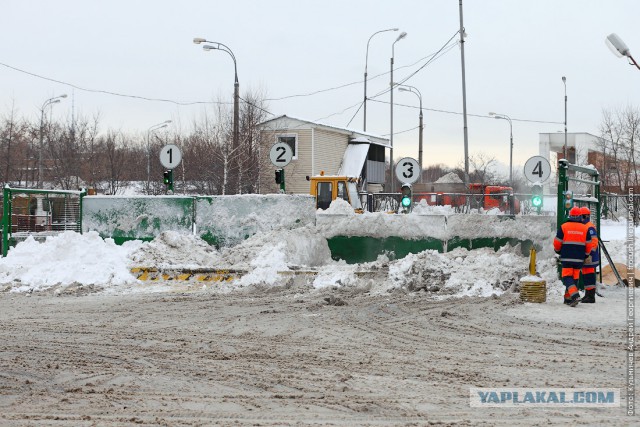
<point>170,156</point>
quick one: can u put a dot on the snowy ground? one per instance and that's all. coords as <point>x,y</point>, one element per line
<point>84,343</point>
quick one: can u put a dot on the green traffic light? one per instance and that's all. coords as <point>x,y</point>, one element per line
<point>406,201</point>
<point>536,201</point>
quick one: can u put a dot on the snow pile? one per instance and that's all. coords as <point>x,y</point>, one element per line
<point>381,224</point>
<point>266,254</point>
<point>480,272</point>
<point>450,178</point>
<point>173,249</point>
<point>338,275</point>
<point>79,260</point>
<point>423,208</point>
<point>65,259</point>
<point>231,219</point>
<point>298,247</point>
<point>265,266</point>
<point>338,207</point>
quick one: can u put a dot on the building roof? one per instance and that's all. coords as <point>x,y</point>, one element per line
<point>357,136</point>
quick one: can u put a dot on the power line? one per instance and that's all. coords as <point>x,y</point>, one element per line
<point>106,92</point>
<point>484,116</point>
<point>143,98</point>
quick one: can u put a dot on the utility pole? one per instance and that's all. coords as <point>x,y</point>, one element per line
<point>464,103</point>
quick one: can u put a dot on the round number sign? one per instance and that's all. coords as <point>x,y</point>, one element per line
<point>281,154</point>
<point>537,169</point>
<point>170,156</point>
<point>407,170</point>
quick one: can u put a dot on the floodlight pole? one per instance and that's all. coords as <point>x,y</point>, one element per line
<point>47,103</point>
<point>464,102</point>
<point>564,80</point>
<point>366,61</point>
<point>391,84</point>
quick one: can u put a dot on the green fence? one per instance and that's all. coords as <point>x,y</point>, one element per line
<point>219,220</point>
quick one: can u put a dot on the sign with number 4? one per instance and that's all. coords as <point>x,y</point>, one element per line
<point>537,169</point>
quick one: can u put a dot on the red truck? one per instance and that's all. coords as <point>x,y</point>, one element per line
<point>456,194</point>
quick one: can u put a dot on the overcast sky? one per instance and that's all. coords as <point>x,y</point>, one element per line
<point>516,53</point>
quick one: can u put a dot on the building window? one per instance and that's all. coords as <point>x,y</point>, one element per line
<point>292,140</point>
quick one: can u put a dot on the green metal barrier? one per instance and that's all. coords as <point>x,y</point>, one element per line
<point>591,200</point>
<point>39,213</point>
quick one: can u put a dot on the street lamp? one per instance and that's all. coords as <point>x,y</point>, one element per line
<point>505,117</point>
<point>152,129</point>
<point>366,60</point>
<point>564,80</point>
<point>236,85</point>
<point>46,103</point>
<point>400,37</point>
<point>412,89</point>
<point>619,48</point>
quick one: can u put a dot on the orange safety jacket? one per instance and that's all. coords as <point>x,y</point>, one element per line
<point>573,243</point>
<point>595,249</point>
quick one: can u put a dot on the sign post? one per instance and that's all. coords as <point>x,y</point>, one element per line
<point>280,155</point>
<point>407,171</point>
<point>170,158</point>
<point>537,170</point>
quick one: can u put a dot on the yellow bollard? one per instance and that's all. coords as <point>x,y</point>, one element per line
<point>533,288</point>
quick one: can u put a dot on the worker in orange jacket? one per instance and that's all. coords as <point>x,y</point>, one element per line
<point>589,267</point>
<point>573,243</point>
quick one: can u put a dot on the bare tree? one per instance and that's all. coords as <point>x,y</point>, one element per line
<point>620,129</point>
<point>13,142</point>
<point>66,148</point>
<point>115,160</point>
<point>482,167</point>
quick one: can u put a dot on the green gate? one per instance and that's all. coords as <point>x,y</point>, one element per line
<point>39,213</point>
<point>567,199</point>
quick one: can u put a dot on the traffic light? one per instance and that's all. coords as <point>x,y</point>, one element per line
<point>536,196</point>
<point>168,179</point>
<point>280,179</point>
<point>406,200</point>
<point>568,199</point>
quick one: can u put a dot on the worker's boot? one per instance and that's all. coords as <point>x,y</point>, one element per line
<point>574,300</point>
<point>589,296</point>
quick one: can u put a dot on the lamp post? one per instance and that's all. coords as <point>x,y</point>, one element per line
<point>46,103</point>
<point>564,80</point>
<point>414,90</point>
<point>619,48</point>
<point>400,37</point>
<point>152,129</point>
<point>464,100</point>
<point>366,61</point>
<point>505,117</point>
<point>236,85</point>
